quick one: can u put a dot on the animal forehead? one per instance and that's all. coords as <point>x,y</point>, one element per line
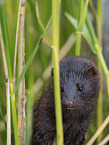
<point>77,64</point>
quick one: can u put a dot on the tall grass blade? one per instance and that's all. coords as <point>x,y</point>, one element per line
<point>100,98</point>
<point>55,51</point>
<point>14,115</point>
<point>83,16</point>
<point>41,24</point>
<point>81,21</point>
<point>8,114</point>
<point>92,32</point>
<point>80,10</point>
<point>16,41</point>
<point>6,39</point>
<point>7,92</point>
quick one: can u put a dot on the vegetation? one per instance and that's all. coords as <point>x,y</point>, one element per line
<point>31,32</point>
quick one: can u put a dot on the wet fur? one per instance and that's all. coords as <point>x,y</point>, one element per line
<point>73,71</point>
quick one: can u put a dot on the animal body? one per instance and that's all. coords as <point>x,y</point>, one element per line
<point>79,85</point>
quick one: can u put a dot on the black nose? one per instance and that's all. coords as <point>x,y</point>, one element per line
<point>68,103</point>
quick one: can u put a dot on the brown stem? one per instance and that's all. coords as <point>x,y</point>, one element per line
<point>21,89</point>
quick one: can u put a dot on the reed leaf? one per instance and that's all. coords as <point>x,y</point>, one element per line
<point>6,39</point>
<point>41,24</point>
<point>85,31</point>
<point>83,16</point>
<point>81,21</point>
<point>31,57</point>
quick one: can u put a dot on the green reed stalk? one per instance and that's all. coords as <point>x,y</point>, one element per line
<point>78,34</point>
<point>14,116</point>
<point>78,43</point>
<point>7,92</point>
<point>99,19</point>
<point>16,42</point>
<point>81,21</point>
<point>6,40</point>
<point>80,10</point>
<point>58,109</point>
<point>100,100</point>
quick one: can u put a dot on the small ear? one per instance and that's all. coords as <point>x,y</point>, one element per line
<point>52,72</point>
<point>91,70</point>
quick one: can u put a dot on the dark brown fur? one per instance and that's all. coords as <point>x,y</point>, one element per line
<point>79,83</point>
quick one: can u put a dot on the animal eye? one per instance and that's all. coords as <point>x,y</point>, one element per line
<point>62,89</point>
<point>80,87</point>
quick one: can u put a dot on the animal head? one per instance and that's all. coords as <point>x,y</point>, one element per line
<point>79,82</point>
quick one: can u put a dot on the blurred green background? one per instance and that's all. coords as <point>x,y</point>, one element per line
<point>43,58</point>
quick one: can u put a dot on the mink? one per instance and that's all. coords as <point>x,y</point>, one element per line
<point>79,87</point>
